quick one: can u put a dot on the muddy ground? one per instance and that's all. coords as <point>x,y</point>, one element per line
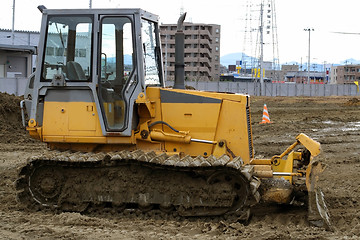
<point>333,121</point>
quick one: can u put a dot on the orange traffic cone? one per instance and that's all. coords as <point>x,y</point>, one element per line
<point>265,118</point>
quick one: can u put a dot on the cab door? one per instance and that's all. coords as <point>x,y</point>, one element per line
<point>117,70</point>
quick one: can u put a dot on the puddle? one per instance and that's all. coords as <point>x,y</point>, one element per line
<point>329,122</point>
<point>332,126</point>
<point>351,126</point>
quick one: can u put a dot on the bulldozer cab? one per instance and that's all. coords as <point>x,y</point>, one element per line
<point>103,56</point>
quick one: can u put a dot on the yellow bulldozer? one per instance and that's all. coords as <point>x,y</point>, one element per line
<point>120,138</point>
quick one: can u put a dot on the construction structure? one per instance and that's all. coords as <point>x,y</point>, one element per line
<point>202,51</point>
<point>292,74</point>
<point>260,40</point>
<point>345,74</point>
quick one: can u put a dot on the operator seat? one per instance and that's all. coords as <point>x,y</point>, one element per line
<point>75,71</point>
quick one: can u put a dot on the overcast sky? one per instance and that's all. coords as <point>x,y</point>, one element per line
<point>324,16</point>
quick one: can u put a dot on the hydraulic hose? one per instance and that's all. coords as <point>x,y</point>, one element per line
<point>165,123</point>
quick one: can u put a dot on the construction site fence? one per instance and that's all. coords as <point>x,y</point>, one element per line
<point>14,86</point>
<point>17,86</point>
<point>275,89</point>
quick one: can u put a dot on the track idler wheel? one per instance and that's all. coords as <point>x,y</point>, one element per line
<point>45,184</point>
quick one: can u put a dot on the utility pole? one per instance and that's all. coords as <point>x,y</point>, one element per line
<point>324,71</point>
<point>166,55</point>
<point>308,69</point>
<point>262,87</point>
<point>13,25</point>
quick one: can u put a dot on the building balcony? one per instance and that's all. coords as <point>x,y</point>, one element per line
<point>190,60</point>
<point>171,69</point>
<point>206,53</point>
<point>197,59</point>
<point>169,42</point>
<point>186,32</point>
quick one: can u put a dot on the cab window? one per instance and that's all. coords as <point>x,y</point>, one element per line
<point>151,53</point>
<point>68,48</point>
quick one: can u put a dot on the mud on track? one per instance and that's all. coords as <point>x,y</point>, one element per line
<point>333,121</point>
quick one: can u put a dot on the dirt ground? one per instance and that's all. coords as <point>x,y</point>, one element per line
<point>333,121</point>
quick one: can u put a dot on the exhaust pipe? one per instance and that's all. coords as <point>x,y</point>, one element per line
<point>179,55</point>
<point>41,8</point>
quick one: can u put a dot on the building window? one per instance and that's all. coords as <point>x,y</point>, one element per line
<point>217,30</point>
<point>217,39</point>
<point>80,52</point>
<point>217,48</point>
<point>50,51</point>
<point>60,52</point>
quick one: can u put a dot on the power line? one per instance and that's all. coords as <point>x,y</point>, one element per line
<point>348,33</point>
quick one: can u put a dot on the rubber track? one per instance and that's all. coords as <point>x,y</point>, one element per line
<point>56,159</point>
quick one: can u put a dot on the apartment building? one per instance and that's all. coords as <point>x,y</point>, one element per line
<point>345,74</point>
<point>202,51</point>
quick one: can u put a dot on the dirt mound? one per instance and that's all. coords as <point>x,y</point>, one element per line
<point>353,102</point>
<point>11,128</point>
